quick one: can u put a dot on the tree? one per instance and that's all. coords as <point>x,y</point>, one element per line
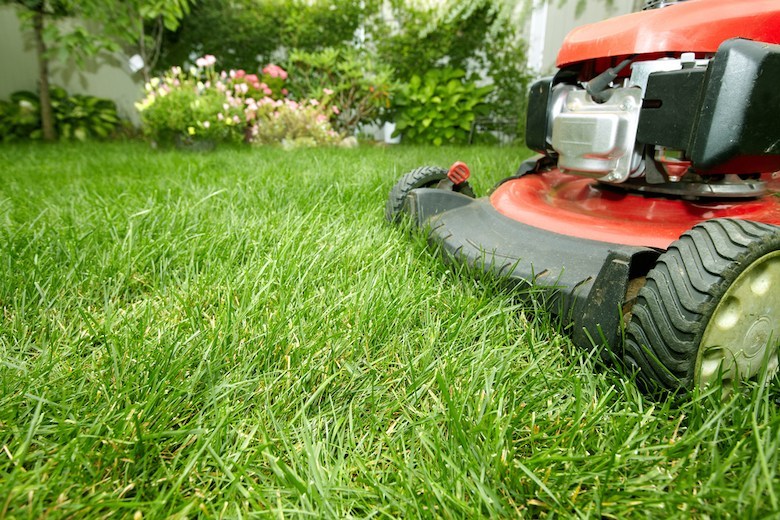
<point>95,26</point>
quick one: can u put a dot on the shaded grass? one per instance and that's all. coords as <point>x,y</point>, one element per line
<point>239,333</point>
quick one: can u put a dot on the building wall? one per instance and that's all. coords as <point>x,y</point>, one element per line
<point>550,22</point>
<point>106,77</point>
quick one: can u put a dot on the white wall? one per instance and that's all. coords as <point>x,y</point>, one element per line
<point>106,77</point>
<point>550,22</point>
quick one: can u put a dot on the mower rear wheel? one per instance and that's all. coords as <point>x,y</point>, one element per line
<point>423,177</point>
<point>710,310</point>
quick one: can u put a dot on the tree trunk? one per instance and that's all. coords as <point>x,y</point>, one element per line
<point>47,117</point>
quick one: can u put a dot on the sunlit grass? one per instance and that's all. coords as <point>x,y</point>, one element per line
<point>240,332</point>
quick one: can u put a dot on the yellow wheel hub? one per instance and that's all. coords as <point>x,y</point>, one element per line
<point>743,334</point>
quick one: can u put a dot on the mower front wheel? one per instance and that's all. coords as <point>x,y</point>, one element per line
<point>710,310</point>
<point>424,177</point>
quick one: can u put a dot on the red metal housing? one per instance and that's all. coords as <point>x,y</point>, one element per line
<point>698,26</point>
<point>578,207</point>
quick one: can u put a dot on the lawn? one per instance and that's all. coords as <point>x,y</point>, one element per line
<point>239,333</point>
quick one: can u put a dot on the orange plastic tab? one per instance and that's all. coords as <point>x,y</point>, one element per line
<point>459,173</point>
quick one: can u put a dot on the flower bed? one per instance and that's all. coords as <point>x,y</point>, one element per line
<point>204,105</point>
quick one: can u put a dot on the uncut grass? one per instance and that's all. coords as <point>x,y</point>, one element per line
<point>240,333</point>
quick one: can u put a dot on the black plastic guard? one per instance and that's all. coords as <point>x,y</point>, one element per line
<point>738,129</point>
<point>582,281</point>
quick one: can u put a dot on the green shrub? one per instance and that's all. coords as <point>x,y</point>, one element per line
<point>20,118</point>
<point>245,33</point>
<point>421,37</point>
<point>439,107</point>
<point>82,117</point>
<point>354,86</point>
<point>76,116</point>
<point>293,125</point>
<point>196,105</point>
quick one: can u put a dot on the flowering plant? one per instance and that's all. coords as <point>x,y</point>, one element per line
<point>204,104</point>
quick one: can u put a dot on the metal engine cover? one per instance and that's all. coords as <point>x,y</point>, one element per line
<point>598,138</point>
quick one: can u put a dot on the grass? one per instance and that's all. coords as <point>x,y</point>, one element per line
<point>239,334</point>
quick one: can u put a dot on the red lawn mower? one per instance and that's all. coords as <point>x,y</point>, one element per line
<point>651,217</point>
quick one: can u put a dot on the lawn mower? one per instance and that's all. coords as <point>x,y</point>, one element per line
<point>650,218</point>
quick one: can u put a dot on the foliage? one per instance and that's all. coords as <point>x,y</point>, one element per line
<point>228,106</point>
<point>20,117</point>
<point>245,33</point>
<point>479,36</point>
<point>293,125</point>
<point>97,25</point>
<point>510,80</point>
<point>76,116</point>
<point>356,86</point>
<point>439,107</point>
<point>419,38</point>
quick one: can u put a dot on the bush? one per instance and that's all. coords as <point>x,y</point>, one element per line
<point>439,107</point>
<point>424,38</point>
<point>76,116</point>
<point>293,125</point>
<point>204,105</point>
<point>245,33</point>
<point>356,89</point>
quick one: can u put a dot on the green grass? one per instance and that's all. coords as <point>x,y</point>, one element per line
<point>239,333</point>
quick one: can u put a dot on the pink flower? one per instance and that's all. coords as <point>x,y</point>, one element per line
<point>251,78</point>
<point>327,91</point>
<point>236,119</point>
<point>321,118</point>
<point>285,91</point>
<point>275,71</point>
<point>242,88</point>
<point>335,110</point>
<point>240,73</point>
<point>220,117</point>
<point>314,102</point>
<point>267,91</point>
<point>206,61</point>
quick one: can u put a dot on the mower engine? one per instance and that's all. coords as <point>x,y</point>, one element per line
<point>682,126</point>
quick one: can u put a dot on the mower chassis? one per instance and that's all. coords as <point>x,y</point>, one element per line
<point>584,282</point>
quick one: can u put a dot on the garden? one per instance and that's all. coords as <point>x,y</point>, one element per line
<point>210,317</point>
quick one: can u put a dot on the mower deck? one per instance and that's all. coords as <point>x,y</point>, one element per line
<point>583,281</point>
<point>551,231</point>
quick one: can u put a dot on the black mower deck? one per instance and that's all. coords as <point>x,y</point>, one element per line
<point>584,281</point>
